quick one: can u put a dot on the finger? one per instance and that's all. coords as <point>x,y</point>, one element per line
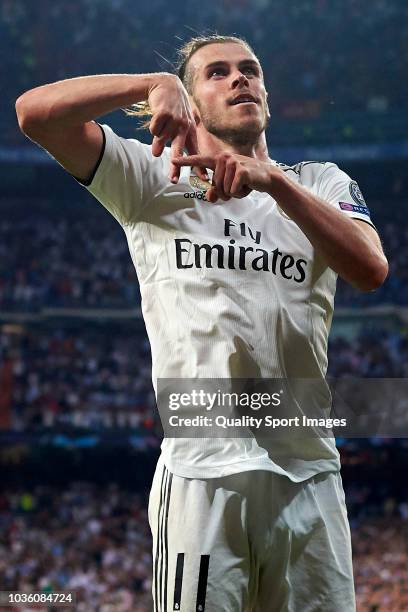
<point>191,146</point>
<point>157,124</point>
<point>191,140</point>
<point>230,170</point>
<point>195,160</point>
<point>244,192</point>
<point>177,147</point>
<point>218,178</point>
<point>239,189</point>
<point>211,195</point>
<point>169,131</point>
<point>158,144</point>
<point>201,173</point>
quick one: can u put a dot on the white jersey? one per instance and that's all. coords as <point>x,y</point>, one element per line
<point>229,290</point>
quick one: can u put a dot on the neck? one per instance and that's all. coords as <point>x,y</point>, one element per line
<point>211,145</point>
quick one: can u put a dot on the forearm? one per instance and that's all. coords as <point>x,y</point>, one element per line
<point>337,238</point>
<point>76,101</point>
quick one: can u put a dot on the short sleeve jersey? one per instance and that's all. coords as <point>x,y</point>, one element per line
<point>229,290</point>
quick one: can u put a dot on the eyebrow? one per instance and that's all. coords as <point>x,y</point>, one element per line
<point>218,63</point>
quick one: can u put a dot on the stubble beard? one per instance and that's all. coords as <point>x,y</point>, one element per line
<point>239,136</point>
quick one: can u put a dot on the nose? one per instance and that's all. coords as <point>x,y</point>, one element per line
<point>240,80</point>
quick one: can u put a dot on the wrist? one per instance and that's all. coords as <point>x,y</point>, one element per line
<point>278,182</point>
<point>158,79</point>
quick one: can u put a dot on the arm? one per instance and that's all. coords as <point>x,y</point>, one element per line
<point>350,247</point>
<point>60,116</point>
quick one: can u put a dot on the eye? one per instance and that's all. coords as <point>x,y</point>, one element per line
<point>217,72</point>
<point>250,70</point>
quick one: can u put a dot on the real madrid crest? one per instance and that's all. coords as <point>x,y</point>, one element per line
<point>197,183</point>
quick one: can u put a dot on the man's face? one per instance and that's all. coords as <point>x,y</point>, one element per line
<point>229,92</point>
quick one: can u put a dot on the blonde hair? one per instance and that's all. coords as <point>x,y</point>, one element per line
<point>185,74</point>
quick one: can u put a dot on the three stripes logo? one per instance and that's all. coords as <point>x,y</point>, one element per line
<point>178,581</point>
<point>160,573</point>
<point>202,582</point>
<point>161,559</point>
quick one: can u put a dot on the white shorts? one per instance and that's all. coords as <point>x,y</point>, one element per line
<point>250,542</point>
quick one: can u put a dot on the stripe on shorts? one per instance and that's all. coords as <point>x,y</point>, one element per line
<point>202,583</point>
<point>161,559</point>
<point>178,584</point>
<point>166,539</point>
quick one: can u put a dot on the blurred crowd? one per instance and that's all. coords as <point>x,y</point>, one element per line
<point>80,263</point>
<point>304,46</point>
<point>321,58</point>
<point>96,541</point>
<point>90,540</point>
<point>65,264</point>
<point>394,237</point>
<point>373,353</point>
<point>81,378</point>
<point>380,561</point>
<point>84,378</point>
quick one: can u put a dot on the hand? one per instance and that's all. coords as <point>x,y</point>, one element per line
<point>172,120</point>
<point>235,176</point>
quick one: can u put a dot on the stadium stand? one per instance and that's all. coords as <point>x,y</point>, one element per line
<point>79,432</point>
<point>83,262</point>
<point>301,64</point>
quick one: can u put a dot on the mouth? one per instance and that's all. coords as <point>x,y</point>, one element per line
<point>243,99</point>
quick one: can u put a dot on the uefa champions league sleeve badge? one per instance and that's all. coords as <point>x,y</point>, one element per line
<point>356,194</point>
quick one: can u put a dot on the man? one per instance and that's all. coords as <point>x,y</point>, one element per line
<point>237,279</point>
